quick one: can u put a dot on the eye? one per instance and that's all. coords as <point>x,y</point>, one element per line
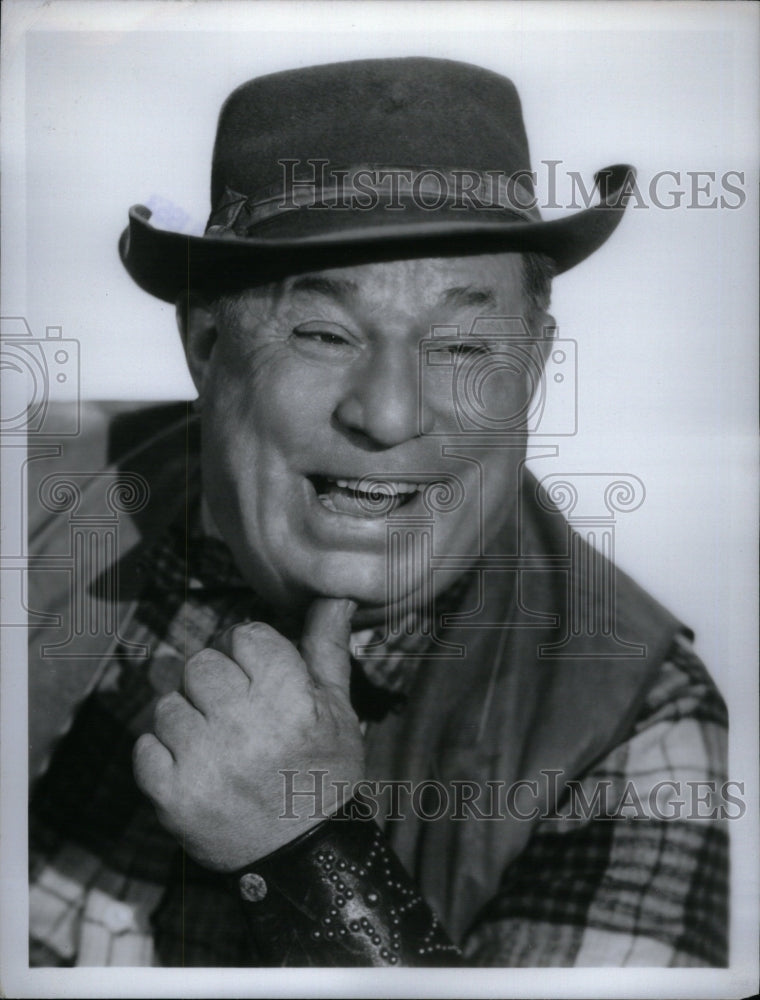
<point>320,332</point>
<point>469,348</point>
<point>323,339</point>
<point>444,353</point>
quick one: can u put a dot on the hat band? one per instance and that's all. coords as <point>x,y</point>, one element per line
<point>372,187</point>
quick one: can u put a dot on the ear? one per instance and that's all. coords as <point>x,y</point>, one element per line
<point>197,327</point>
<point>545,328</point>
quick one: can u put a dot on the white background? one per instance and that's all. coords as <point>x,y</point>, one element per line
<point>664,314</point>
<point>115,103</point>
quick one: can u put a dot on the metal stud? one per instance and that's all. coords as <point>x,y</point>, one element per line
<point>253,888</point>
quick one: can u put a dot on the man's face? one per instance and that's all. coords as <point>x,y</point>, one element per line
<point>313,384</point>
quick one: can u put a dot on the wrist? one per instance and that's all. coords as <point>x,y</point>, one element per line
<point>338,895</point>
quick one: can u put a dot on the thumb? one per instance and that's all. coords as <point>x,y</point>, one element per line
<point>324,642</point>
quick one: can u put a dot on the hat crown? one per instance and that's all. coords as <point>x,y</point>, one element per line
<point>384,159</point>
<point>402,112</point>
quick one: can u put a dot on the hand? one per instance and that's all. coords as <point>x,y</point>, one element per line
<point>212,769</point>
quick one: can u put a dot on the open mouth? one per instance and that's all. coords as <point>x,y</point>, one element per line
<point>367,497</point>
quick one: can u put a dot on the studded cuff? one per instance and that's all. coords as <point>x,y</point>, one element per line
<point>339,896</point>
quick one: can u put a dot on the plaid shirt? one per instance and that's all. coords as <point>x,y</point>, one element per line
<point>111,887</point>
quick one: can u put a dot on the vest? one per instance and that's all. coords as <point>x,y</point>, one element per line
<point>541,674</point>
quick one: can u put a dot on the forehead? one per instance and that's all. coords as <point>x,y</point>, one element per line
<point>490,280</point>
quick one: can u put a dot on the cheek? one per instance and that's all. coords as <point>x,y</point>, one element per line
<point>259,435</point>
<point>489,394</point>
<point>270,403</point>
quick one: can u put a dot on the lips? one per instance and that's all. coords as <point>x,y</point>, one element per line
<point>369,497</point>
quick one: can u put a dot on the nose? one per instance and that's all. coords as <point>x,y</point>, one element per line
<point>383,400</point>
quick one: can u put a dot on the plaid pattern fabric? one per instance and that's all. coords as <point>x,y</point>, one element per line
<point>110,887</point>
<point>636,890</point>
<point>100,861</point>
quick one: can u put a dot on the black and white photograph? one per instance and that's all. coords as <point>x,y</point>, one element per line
<point>379,499</point>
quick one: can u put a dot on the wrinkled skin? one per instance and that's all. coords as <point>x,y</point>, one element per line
<point>320,377</point>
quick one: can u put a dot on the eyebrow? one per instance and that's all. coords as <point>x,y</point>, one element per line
<point>342,289</point>
<point>335,288</point>
<point>469,295</point>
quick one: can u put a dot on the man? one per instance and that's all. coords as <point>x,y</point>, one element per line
<point>357,608</point>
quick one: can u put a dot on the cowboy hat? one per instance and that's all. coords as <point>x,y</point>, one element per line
<point>362,161</point>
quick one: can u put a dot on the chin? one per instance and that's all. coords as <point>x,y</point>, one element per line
<point>364,580</point>
<point>364,583</point>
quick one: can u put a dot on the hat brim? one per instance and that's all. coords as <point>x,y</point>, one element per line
<point>166,263</point>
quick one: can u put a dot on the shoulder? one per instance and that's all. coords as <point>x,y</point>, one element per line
<point>673,762</point>
<point>122,441</point>
<point>632,867</point>
<point>683,690</point>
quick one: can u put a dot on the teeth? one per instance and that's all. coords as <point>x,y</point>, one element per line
<point>386,488</point>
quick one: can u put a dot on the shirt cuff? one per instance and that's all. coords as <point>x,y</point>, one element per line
<point>339,896</point>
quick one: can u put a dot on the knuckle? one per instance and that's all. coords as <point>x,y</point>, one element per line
<point>147,764</point>
<point>197,667</point>
<point>167,708</point>
<point>167,702</point>
<point>248,634</point>
<point>202,658</point>
<point>249,630</point>
<point>143,745</point>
